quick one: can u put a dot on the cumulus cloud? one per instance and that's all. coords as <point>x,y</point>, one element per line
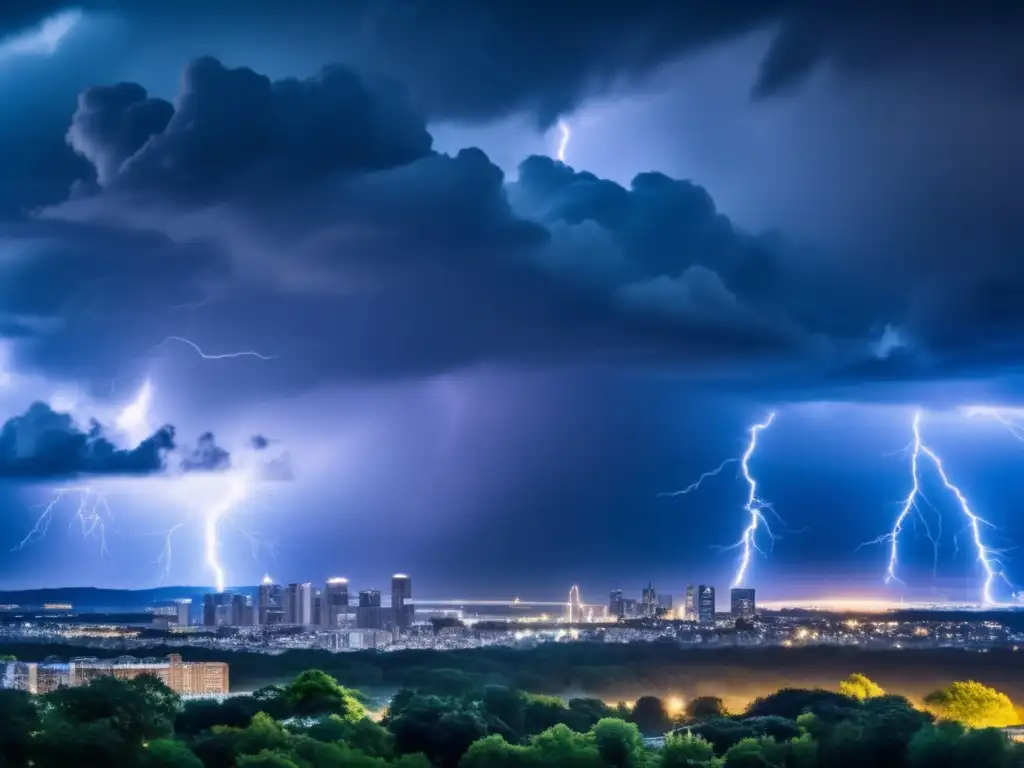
<point>206,456</point>
<point>42,443</point>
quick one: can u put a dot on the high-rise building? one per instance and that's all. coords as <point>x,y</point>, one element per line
<point>368,614</point>
<point>241,610</point>
<point>183,607</point>
<point>401,611</point>
<point>300,604</point>
<point>706,604</point>
<point>690,607</point>
<point>270,604</point>
<point>616,605</point>
<point>648,601</point>
<point>334,603</point>
<point>189,678</point>
<point>742,603</point>
<point>217,609</point>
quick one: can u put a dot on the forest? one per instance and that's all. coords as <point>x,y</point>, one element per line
<point>314,722</point>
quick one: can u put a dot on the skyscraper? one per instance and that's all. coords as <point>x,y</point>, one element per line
<point>690,608</point>
<point>648,601</point>
<point>401,612</point>
<point>334,603</point>
<point>217,609</point>
<point>300,604</point>
<point>368,615</point>
<point>742,603</point>
<point>241,610</point>
<point>182,608</point>
<point>616,605</point>
<point>271,607</point>
<point>706,604</point>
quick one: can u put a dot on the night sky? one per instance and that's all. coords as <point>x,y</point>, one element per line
<point>329,251</point>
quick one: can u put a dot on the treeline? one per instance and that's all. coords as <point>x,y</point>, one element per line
<point>609,670</point>
<point>313,722</point>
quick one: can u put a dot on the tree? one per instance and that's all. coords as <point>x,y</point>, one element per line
<point>18,720</point>
<point>317,693</point>
<point>747,753</point>
<point>266,760</point>
<point>793,702</point>
<point>650,716</point>
<point>972,704</point>
<point>686,752</point>
<point>859,687</point>
<point>705,707</point>
<point>495,752</point>
<point>560,747</point>
<point>168,753</point>
<point>618,743</point>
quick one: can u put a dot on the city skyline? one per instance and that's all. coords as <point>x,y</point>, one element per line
<point>736,306</point>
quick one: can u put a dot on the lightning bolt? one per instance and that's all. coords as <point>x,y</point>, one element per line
<point>987,557</point>
<point>754,506</point>
<point>237,490</point>
<point>222,356</point>
<point>565,134</point>
<point>92,513</point>
<point>1008,417</point>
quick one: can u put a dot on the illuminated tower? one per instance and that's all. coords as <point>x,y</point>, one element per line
<point>706,604</point>
<point>270,604</point>
<point>742,603</point>
<point>368,615</point>
<point>648,601</point>
<point>334,603</point>
<point>616,605</point>
<point>401,611</point>
<point>690,607</point>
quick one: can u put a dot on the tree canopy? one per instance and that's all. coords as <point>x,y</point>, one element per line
<point>859,687</point>
<point>974,705</point>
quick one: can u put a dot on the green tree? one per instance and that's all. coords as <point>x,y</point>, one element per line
<point>316,693</point>
<point>748,753</point>
<point>266,759</point>
<point>263,734</point>
<point>560,747</point>
<point>618,743</point>
<point>686,752</point>
<point>495,752</point>
<point>859,687</point>
<point>793,702</point>
<point>19,718</point>
<point>168,753</point>
<point>650,716</point>
<point>704,708</point>
<point>972,704</point>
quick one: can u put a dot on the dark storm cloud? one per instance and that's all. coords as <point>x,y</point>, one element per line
<point>259,442</point>
<point>43,443</point>
<point>407,261</point>
<point>207,456</point>
<point>544,59</point>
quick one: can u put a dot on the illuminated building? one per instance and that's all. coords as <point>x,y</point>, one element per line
<point>690,607</point>
<point>241,610</point>
<point>217,609</point>
<point>334,609</point>
<point>616,605</point>
<point>183,607</point>
<point>300,604</point>
<point>187,678</point>
<point>742,603</point>
<point>706,604</point>
<point>648,601</point>
<point>270,604</point>
<point>368,614</point>
<point>357,639</point>
<point>401,612</point>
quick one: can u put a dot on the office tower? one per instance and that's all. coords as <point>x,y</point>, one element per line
<point>689,608</point>
<point>742,603</point>
<point>368,614</point>
<point>217,609</point>
<point>706,604</point>
<point>648,601</point>
<point>241,610</point>
<point>183,607</point>
<point>616,605</point>
<point>271,604</point>
<point>334,603</point>
<point>300,604</point>
<point>401,611</point>
<point>317,607</point>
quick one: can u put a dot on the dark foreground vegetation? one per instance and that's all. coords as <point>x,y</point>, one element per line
<point>609,671</point>
<point>313,722</point>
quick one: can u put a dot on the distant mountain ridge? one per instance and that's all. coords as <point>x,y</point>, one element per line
<point>95,599</point>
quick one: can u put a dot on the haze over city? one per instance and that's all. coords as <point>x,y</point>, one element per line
<point>284,292</point>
